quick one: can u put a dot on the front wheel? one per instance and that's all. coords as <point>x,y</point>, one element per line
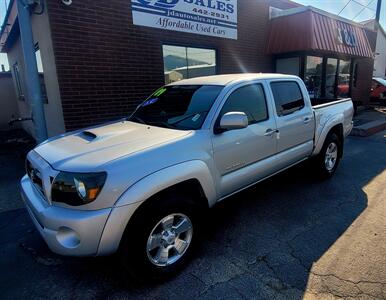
<point>328,159</point>
<point>169,240</point>
<point>159,241</point>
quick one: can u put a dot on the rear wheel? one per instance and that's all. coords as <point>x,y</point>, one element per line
<point>159,241</point>
<point>329,157</point>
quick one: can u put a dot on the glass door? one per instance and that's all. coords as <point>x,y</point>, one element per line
<point>313,76</point>
<point>331,78</point>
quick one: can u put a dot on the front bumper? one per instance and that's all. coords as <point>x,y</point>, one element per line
<point>66,231</point>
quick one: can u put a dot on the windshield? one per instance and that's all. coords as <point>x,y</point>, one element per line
<point>381,81</point>
<point>177,106</point>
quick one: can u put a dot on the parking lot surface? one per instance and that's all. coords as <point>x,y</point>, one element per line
<point>290,237</point>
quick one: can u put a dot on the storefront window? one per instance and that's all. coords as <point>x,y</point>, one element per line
<point>331,69</point>
<point>41,73</point>
<point>289,66</point>
<point>313,76</point>
<point>355,75</point>
<point>344,79</point>
<point>186,62</point>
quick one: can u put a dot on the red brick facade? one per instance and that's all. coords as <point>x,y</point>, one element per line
<point>106,65</point>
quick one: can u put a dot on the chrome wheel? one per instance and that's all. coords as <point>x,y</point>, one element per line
<point>169,240</point>
<point>331,156</point>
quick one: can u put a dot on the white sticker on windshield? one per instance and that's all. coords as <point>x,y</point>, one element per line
<point>196,117</point>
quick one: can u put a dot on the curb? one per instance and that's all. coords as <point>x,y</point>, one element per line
<point>369,128</point>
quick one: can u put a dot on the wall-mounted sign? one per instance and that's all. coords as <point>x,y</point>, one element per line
<point>207,17</point>
<point>346,37</point>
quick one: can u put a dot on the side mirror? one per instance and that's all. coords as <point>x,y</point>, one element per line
<point>233,120</point>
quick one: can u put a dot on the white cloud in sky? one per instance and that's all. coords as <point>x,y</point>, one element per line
<point>4,61</point>
<point>351,10</point>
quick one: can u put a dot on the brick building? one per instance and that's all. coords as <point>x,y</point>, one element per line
<point>98,60</point>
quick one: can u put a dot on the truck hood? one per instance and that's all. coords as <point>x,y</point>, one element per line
<point>88,149</point>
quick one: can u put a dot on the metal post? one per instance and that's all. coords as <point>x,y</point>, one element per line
<point>31,71</point>
<point>378,13</point>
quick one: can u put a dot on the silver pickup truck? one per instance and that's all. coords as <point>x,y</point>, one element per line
<point>139,185</point>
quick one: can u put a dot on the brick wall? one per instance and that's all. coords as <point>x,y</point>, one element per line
<point>106,65</point>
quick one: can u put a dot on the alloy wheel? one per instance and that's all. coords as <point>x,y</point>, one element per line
<point>169,240</point>
<point>331,156</point>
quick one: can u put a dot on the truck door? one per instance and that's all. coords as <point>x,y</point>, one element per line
<point>294,119</point>
<point>238,152</point>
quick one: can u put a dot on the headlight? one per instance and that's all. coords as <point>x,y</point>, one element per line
<point>77,188</point>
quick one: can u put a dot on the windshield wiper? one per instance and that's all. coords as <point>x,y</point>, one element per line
<point>161,124</point>
<point>188,116</point>
<point>137,118</point>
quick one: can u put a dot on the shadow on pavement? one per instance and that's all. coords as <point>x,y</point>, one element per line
<point>14,146</point>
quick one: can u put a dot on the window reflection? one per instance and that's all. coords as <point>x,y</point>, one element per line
<point>331,69</point>
<point>289,65</point>
<point>344,79</point>
<point>186,62</point>
<point>313,76</point>
<point>41,73</point>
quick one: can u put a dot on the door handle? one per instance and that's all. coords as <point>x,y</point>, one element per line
<point>270,132</point>
<point>307,120</point>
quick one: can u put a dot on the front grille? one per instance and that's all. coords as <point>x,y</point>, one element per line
<point>35,176</point>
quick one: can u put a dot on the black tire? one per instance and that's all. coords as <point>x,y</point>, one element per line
<point>326,171</point>
<point>133,248</point>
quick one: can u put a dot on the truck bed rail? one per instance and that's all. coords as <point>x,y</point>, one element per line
<point>331,103</point>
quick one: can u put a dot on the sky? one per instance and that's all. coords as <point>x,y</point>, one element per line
<point>352,11</point>
<point>3,56</point>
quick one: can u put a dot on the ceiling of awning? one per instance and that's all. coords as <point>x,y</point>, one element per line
<point>310,30</point>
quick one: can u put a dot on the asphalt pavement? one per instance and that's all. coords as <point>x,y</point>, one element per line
<point>290,237</point>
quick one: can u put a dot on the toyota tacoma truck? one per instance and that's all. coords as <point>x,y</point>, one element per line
<point>139,185</point>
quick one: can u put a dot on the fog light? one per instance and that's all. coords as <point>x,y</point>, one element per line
<point>67,237</point>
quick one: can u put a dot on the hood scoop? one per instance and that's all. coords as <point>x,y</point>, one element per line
<point>88,135</point>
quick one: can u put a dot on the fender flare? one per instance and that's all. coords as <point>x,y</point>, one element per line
<point>146,187</point>
<point>167,177</point>
<point>327,124</point>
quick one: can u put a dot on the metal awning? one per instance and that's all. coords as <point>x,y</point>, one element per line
<point>310,29</point>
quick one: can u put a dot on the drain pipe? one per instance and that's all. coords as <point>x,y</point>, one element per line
<point>31,70</point>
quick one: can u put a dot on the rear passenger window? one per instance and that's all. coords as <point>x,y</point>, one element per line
<point>249,99</point>
<point>288,97</point>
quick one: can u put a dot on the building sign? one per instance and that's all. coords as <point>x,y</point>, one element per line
<point>347,37</point>
<point>206,17</point>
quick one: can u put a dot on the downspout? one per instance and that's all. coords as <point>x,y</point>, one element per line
<point>378,13</point>
<point>31,71</point>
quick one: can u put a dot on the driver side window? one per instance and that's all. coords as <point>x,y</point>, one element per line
<point>249,99</point>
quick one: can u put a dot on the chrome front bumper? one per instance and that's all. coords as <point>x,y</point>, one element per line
<point>66,231</point>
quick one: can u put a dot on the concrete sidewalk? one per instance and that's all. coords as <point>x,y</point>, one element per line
<point>369,122</point>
